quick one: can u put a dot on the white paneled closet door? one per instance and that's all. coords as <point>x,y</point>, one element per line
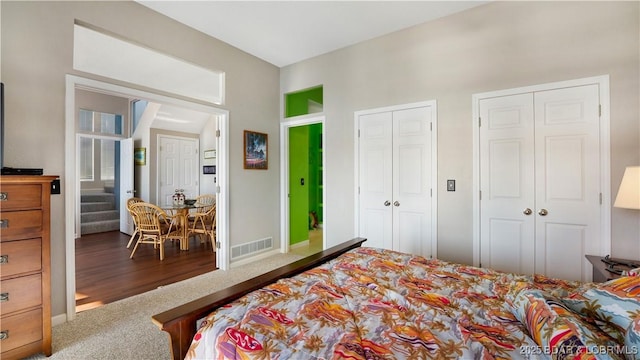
<point>178,167</point>
<point>395,159</point>
<point>540,181</point>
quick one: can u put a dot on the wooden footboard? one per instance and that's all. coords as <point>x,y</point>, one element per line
<point>180,322</point>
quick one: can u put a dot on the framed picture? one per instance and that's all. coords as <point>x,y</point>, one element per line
<point>209,169</point>
<point>140,156</point>
<point>255,150</point>
<point>210,154</point>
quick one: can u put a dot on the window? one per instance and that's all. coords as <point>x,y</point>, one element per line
<point>97,150</point>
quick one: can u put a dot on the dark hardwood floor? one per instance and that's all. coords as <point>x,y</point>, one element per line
<point>104,272</point>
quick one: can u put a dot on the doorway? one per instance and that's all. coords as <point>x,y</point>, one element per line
<point>72,188</point>
<point>303,185</point>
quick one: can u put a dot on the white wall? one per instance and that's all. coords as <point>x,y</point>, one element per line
<point>37,53</point>
<point>496,46</point>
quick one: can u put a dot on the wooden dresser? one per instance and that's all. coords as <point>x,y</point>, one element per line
<point>25,268</point>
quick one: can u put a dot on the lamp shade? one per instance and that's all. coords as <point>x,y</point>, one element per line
<point>629,191</point>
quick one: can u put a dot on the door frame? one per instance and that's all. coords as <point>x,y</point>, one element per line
<point>605,155</point>
<point>72,190</point>
<point>284,176</point>
<point>434,165</point>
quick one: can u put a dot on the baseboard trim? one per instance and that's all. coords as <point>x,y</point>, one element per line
<point>59,319</point>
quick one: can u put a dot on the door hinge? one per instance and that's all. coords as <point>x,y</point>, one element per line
<point>600,198</point>
<point>599,110</point>
<point>480,194</point>
<point>217,244</point>
<point>218,189</point>
<point>218,133</point>
<point>479,121</point>
<point>430,126</point>
<point>431,192</point>
<point>358,132</point>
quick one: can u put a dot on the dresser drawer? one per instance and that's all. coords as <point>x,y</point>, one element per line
<point>16,197</point>
<point>21,329</point>
<point>16,223</point>
<point>20,257</point>
<point>20,293</point>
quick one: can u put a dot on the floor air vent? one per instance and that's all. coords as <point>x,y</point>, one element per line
<point>253,247</point>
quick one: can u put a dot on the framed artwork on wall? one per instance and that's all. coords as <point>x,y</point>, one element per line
<point>140,156</point>
<point>255,150</point>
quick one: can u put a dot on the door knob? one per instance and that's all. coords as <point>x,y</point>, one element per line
<point>527,211</point>
<point>395,203</point>
<point>543,212</point>
<point>387,203</point>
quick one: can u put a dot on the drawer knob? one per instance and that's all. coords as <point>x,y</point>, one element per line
<point>4,223</point>
<point>4,196</point>
<point>4,259</point>
<point>4,297</point>
<point>4,334</point>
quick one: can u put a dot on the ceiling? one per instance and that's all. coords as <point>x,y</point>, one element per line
<point>286,32</point>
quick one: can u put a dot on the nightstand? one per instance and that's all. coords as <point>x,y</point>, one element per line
<point>600,273</point>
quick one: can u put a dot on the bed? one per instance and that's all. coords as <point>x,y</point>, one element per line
<point>352,302</point>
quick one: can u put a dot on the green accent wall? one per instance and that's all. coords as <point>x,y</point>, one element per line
<point>305,162</point>
<point>315,170</point>
<point>298,194</point>
<point>297,103</point>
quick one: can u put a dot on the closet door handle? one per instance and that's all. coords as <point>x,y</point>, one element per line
<point>527,211</point>
<point>543,212</point>
<point>395,203</point>
<point>387,203</point>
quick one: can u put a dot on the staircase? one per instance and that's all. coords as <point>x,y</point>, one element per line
<point>98,212</point>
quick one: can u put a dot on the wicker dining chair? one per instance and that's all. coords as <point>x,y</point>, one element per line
<point>204,223</point>
<point>130,202</point>
<point>154,226</point>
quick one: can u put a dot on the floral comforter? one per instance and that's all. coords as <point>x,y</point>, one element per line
<point>379,304</point>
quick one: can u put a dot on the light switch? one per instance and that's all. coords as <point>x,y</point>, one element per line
<point>451,185</point>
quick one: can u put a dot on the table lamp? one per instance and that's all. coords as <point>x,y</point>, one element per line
<point>629,191</point>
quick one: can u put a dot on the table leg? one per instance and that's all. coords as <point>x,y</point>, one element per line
<point>184,222</point>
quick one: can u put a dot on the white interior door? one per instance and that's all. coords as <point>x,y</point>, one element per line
<point>395,159</point>
<point>540,174</point>
<point>412,181</point>
<point>507,183</point>
<point>376,179</point>
<point>177,167</point>
<point>126,184</point>
<point>567,180</point>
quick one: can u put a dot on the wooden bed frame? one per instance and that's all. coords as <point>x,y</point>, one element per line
<point>180,322</point>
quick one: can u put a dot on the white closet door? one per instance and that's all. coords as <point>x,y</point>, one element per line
<point>507,183</point>
<point>178,167</point>
<point>412,181</point>
<point>567,180</point>
<point>375,156</point>
<point>540,182</point>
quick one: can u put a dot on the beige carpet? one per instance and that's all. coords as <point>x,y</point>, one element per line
<point>123,329</point>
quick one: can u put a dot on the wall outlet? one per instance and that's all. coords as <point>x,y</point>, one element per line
<point>451,185</point>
